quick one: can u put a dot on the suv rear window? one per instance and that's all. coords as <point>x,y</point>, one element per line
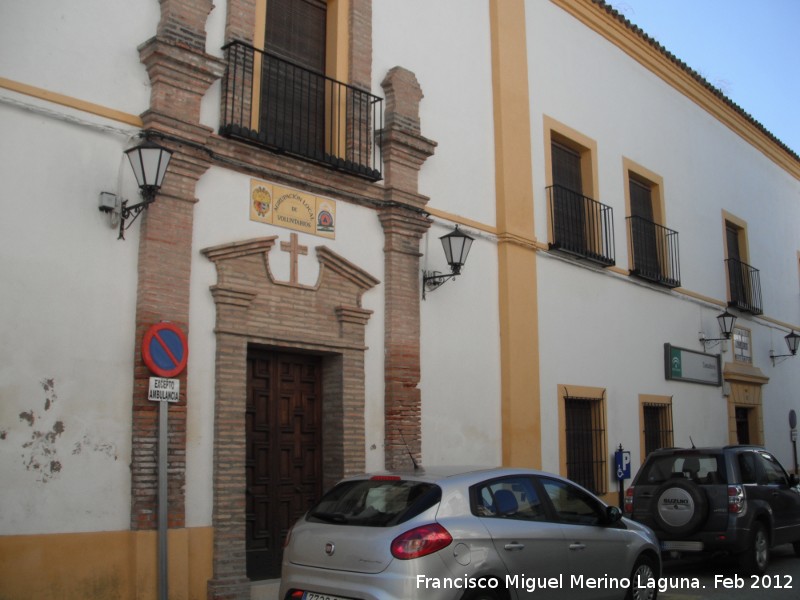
<point>375,502</point>
<point>698,467</point>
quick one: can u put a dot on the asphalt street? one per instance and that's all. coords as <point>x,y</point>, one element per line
<point>717,578</point>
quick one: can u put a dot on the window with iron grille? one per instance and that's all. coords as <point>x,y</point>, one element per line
<point>580,225</point>
<point>283,97</point>
<point>585,436</point>
<point>657,426</point>
<point>653,248</point>
<point>744,281</point>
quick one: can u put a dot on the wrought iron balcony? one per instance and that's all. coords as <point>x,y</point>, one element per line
<point>286,108</point>
<point>581,226</point>
<point>654,252</point>
<point>745,286</point>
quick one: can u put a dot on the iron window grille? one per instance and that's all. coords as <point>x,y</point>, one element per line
<point>581,226</point>
<point>745,286</point>
<point>657,426</point>
<point>654,252</point>
<point>586,431</point>
<point>281,106</point>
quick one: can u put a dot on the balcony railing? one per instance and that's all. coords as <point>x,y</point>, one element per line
<point>654,252</point>
<point>745,286</point>
<point>286,108</point>
<point>581,226</point>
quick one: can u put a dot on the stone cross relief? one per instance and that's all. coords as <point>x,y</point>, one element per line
<point>295,250</point>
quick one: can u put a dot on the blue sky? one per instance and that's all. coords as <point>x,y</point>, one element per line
<point>749,49</point>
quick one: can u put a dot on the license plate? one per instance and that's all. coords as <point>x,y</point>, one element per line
<point>682,546</point>
<point>316,596</point>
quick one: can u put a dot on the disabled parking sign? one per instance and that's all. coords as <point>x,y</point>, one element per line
<point>622,462</point>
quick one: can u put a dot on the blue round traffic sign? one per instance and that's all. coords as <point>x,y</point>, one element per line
<point>164,349</point>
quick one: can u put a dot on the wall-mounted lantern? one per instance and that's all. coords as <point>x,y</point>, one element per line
<point>456,246</point>
<point>792,340</point>
<point>726,322</point>
<point>149,162</point>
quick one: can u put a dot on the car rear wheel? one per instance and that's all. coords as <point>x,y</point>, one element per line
<point>755,559</point>
<point>643,580</point>
<point>680,506</point>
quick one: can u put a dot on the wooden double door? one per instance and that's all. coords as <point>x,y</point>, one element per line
<point>284,451</point>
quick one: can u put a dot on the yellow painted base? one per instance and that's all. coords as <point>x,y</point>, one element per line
<point>115,564</point>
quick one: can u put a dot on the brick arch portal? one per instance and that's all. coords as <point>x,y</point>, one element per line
<point>253,309</point>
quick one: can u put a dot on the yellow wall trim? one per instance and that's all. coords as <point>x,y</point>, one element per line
<point>602,22</point>
<point>516,250</point>
<point>104,564</point>
<point>453,218</point>
<point>71,102</point>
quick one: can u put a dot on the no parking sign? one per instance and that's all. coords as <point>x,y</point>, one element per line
<point>164,349</point>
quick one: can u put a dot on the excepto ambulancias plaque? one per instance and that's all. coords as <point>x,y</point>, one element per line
<point>292,209</point>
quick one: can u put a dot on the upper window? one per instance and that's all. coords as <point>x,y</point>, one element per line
<point>744,281</point>
<point>289,92</point>
<point>579,224</point>
<point>652,247</point>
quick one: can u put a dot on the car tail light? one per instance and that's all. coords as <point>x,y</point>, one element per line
<point>296,594</point>
<point>629,500</point>
<point>420,541</point>
<point>735,499</point>
<point>385,478</point>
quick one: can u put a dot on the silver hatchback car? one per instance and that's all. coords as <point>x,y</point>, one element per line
<point>455,534</point>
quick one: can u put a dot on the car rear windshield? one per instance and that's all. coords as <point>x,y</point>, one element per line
<point>699,467</point>
<point>375,502</point>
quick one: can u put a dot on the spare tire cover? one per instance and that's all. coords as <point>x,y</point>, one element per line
<point>680,506</point>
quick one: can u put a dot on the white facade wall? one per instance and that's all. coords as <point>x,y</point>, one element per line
<point>83,48</point>
<point>67,300</point>
<point>609,332</point>
<point>69,287</point>
<point>459,323</point>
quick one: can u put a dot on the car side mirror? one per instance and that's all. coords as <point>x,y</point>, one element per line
<point>613,515</point>
<point>793,480</point>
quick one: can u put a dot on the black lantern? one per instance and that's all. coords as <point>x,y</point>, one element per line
<point>456,245</point>
<point>726,322</point>
<point>149,162</point>
<point>792,340</point>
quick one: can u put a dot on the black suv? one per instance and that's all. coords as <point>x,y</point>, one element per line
<point>736,499</point>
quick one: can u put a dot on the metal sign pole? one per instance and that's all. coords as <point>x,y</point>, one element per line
<point>163,442</point>
<point>165,352</point>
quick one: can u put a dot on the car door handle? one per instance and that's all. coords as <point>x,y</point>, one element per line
<point>577,546</point>
<point>513,547</point>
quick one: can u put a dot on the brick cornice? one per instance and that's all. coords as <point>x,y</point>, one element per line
<point>330,260</point>
<point>239,249</point>
<point>176,63</point>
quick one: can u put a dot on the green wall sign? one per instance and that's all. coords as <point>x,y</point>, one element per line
<point>682,364</point>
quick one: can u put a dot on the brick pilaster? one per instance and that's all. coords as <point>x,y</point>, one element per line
<point>404,223</point>
<point>180,73</point>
